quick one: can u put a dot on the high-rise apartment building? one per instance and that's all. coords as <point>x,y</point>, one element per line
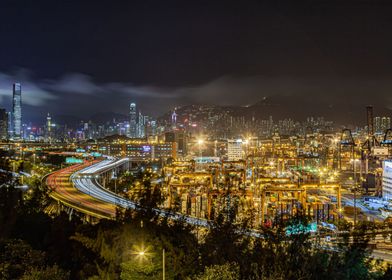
<point>377,124</point>
<point>381,124</point>
<point>387,180</point>
<point>385,123</point>
<point>151,128</point>
<point>3,124</point>
<point>234,150</point>
<point>141,127</point>
<point>10,125</point>
<point>17,110</point>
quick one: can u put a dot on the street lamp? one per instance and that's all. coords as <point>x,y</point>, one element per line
<point>142,253</point>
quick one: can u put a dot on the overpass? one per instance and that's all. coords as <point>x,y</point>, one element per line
<point>78,187</point>
<point>69,198</point>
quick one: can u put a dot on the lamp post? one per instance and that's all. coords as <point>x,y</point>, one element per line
<point>163,264</point>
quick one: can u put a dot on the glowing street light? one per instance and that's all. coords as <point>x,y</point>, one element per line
<point>200,142</point>
<point>142,254</point>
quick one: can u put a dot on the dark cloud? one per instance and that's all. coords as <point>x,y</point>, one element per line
<point>37,95</point>
<point>80,95</point>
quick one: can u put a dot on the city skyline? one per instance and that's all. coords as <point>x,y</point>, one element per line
<point>279,107</point>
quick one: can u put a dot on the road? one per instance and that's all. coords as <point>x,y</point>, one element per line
<point>64,191</point>
<point>86,182</point>
<point>371,215</point>
<point>383,255</point>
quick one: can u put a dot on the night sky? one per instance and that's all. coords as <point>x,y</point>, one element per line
<point>83,58</point>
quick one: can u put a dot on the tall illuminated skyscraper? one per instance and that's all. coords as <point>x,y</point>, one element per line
<point>17,110</point>
<point>48,128</point>
<point>132,120</point>
<point>141,129</point>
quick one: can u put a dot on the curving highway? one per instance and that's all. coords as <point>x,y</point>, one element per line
<point>77,187</point>
<point>63,190</point>
<point>85,181</point>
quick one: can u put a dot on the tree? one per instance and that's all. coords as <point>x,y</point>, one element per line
<point>227,271</point>
<point>16,257</point>
<point>10,202</point>
<point>225,240</point>
<point>51,272</point>
<point>140,269</point>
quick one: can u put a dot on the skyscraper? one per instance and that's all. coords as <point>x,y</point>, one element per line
<point>10,124</point>
<point>385,123</point>
<point>377,124</point>
<point>381,124</point>
<point>48,128</point>
<point>3,124</point>
<point>17,110</point>
<point>141,125</point>
<point>132,120</point>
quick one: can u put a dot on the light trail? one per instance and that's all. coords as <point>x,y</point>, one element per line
<point>85,181</point>
<point>64,191</point>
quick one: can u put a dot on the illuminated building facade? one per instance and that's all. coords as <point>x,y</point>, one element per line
<point>234,150</point>
<point>48,128</point>
<point>17,111</point>
<point>140,151</point>
<point>387,180</point>
<point>3,124</point>
<point>133,127</point>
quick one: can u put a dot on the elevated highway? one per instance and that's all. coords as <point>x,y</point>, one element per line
<point>78,187</point>
<point>63,191</point>
<point>86,181</point>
